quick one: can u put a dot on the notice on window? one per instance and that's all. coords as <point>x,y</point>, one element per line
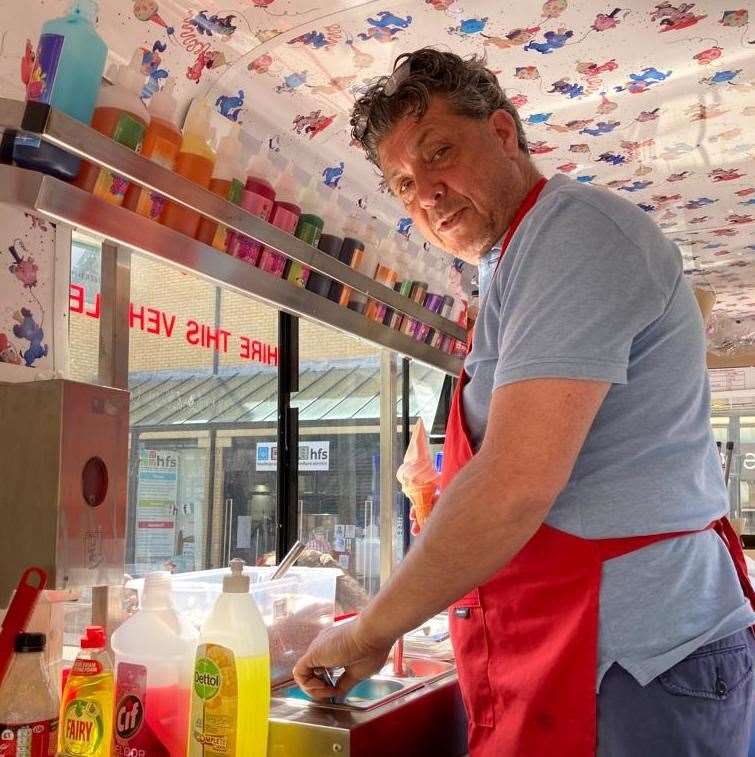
<point>313,456</point>
<point>156,501</point>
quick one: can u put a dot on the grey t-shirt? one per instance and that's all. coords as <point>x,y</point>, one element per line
<point>590,288</point>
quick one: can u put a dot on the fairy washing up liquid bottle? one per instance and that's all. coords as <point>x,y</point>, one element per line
<point>231,689</point>
<point>154,656</point>
<point>86,711</point>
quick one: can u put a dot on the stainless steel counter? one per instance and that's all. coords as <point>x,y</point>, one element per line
<point>426,721</point>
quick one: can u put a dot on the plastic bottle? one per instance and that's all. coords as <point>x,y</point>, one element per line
<point>119,114</point>
<point>418,292</point>
<point>404,283</point>
<point>195,161</point>
<point>367,265</point>
<point>257,197</point>
<point>308,229</point>
<point>433,301</point>
<point>352,249</point>
<point>86,711</point>
<point>386,274</point>
<point>329,243</point>
<point>285,216</point>
<point>28,702</point>
<point>154,657</point>
<point>231,691</point>
<point>161,143</point>
<point>226,183</point>
<point>67,73</point>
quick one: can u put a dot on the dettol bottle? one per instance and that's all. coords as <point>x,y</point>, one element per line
<point>86,711</point>
<point>231,692</point>
<point>154,655</point>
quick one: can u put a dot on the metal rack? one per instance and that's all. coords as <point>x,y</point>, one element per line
<point>65,203</point>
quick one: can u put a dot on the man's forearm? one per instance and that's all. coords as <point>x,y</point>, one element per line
<point>477,526</point>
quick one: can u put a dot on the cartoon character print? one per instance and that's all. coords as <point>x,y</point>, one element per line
<point>312,124</point>
<point>148,10</point>
<point>642,81</point>
<point>725,174</point>
<point>518,100</point>
<point>681,176</point>
<point>313,39</point>
<point>646,116</point>
<point>515,38</point>
<point>334,85</point>
<point>261,64</point>
<point>613,159</point>
<point>605,106</point>
<point>360,59</point>
<point>673,18</point>
<point>332,175</point>
<point>27,328</point>
<point>215,24</point>
<point>721,77</point>
<point>739,218</point>
<point>600,128</point>
<point>590,70</point>
<point>527,72</point>
<point>23,267</point>
<point>554,8</point>
<point>540,148</point>
<point>205,60</point>
<point>292,82</point>
<point>735,18</point>
<point>469,26</point>
<point>579,148</point>
<point>404,226</point>
<point>552,41</point>
<point>27,63</point>
<point>385,27</point>
<point>700,202</point>
<point>230,106</point>
<point>440,5</point>
<point>605,21</point>
<point>704,57</point>
<point>637,186</point>
<point>537,118</point>
<point>8,353</point>
<point>704,112</point>
<point>151,61</point>
<point>566,88</point>
<point>566,167</point>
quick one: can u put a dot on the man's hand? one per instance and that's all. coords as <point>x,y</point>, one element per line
<point>343,646</point>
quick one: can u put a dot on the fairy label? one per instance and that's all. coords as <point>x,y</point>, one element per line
<point>82,727</point>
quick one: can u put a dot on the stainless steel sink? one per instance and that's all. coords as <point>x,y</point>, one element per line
<point>416,668</point>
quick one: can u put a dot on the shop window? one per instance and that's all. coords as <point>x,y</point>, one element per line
<point>84,309</point>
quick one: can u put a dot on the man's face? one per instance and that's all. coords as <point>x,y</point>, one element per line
<point>461,179</point>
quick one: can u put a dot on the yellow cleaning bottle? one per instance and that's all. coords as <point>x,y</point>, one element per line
<point>86,710</point>
<point>230,700</point>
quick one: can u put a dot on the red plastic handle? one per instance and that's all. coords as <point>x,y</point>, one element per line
<point>30,586</point>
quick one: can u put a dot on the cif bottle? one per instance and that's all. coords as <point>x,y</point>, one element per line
<point>162,141</point>
<point>67,73</point>
<point>309,230</point>
<point>121,115</point>
<point>231,689</point>
<point>224,182</point>
<point>257,198</point>
<point>86,710</point>
<point>29,705</point>
<point>195,161</point>
<point>154,656</point>
<point>285,216</point>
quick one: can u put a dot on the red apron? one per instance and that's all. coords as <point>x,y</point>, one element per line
<point>526,642</point>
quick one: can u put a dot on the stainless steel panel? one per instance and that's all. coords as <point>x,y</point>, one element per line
<point>114,321</point>
<point>80,139</point>
<point>65,203</point>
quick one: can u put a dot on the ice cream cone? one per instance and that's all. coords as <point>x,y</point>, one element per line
<point>422,499</point>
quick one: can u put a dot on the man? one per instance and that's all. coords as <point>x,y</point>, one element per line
<point>581,490</point>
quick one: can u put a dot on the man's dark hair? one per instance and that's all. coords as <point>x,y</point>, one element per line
<point>469,87</point>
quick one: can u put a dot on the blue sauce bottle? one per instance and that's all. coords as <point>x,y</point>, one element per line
<point>67,75</point>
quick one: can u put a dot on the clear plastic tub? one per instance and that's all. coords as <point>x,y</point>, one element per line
<point>295,608</point>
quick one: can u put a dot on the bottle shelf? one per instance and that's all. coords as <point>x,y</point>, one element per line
<point>65,203</point>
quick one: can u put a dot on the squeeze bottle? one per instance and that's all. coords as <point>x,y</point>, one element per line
<point>329,243</point>
<point>29,704</point>
<point>433,301</point>
<point>195,161</point>
<point>162,141</point>
<point>154,656</point>
<point>86,711</point>
<point>119,114</point>
<point>418,292</point>
<point>403,284</point>
<point>308,229</point>
<point>231,690</point>
<point>67,72</point>
<point>386,274</point>
<point>351,253</point>
<point>367,265</point>
<point>285,216</point>
<point>257,198</point>
<point>226,184</point>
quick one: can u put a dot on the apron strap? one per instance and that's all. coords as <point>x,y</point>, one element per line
<point>733,543</point>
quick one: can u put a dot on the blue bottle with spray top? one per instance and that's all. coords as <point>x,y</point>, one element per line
<point>67,74</point>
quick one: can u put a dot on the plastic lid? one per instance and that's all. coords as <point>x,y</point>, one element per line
<point>131,77</point>
<point>93,638</point>
<point>237,582</point>
<point>157,591</point>
<point>163,104</point>
<point>228,157</point>
<point>197,121</point>
<point>30,642</point>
